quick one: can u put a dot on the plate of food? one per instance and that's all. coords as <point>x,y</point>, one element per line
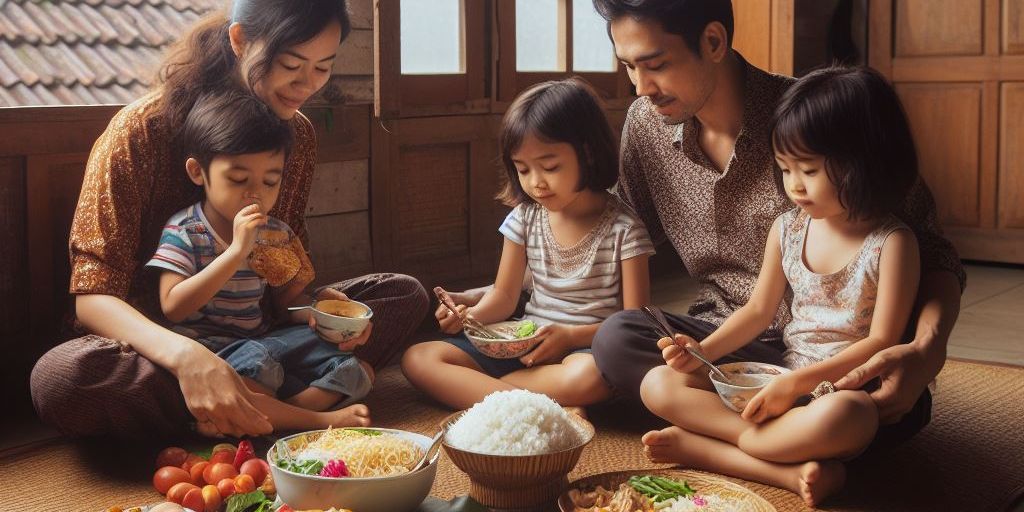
<point>666,490</point>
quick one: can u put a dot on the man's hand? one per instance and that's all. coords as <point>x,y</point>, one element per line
<point>676,356</point>
<point>557,341</point>
<point>217,397</point>
<point>904,372</point>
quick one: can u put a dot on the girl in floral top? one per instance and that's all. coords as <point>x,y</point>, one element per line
<point>846,159</point>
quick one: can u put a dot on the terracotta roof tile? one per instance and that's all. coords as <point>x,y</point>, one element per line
<point>67,52</point>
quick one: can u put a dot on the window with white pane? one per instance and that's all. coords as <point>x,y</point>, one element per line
<point>432,37</point>
<point>592,49</point>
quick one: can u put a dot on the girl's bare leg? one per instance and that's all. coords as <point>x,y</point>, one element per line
<point>575,381</point>
<point>448,374</point>
<point>319,399</point>
<point>836,426</point>
<point>813,481</point>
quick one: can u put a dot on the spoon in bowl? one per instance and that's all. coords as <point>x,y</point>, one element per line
<point>432,449</point>
<point>657,319</point>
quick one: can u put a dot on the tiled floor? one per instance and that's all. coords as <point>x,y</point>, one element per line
<point>990,327</point>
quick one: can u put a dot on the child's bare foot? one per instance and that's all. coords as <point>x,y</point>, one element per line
<point>668,445</point>
<point>357,415</point>
<point>819,480</point>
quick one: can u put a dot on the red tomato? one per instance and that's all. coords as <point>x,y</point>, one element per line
<point>191,460</point>
<point>194,500</point>
<point>211,496</point>
<point>244,484</point>
<point>167,476</point>
<point>227,456</point>
<point>226,487</point>
<point>196,473</point>
<point>218,471</point>
<point>178,492</point>
<point>171,456</point>
<point>255,469</point>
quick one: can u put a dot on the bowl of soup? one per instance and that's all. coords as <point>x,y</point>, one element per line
<point>746,379</point>
<point>338,321</point>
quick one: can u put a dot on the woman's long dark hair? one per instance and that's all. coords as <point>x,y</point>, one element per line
<point>203,61</point>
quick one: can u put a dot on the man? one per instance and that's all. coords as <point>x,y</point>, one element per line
<point>697,166</point>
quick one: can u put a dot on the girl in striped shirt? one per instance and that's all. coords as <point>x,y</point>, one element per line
<point>586,252</point>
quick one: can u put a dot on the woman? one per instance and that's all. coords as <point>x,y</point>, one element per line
<point>152,381</point>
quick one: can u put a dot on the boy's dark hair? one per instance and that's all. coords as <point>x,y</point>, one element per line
<point>233,122</point>
<point>686,18</point>
<point>852,117</point>
<point>559,111</point>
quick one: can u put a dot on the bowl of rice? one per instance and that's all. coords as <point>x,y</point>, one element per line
<point>361,469</point>
<point>522,338</point>
<point>517,448</point>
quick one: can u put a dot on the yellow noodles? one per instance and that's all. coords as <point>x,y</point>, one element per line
<point>365,455</point>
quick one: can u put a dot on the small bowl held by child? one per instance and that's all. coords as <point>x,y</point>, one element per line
<point>746,380</point>
<point>338,321</point>
<point>509,348</point>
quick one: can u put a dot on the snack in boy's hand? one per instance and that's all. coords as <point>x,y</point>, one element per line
<point>274,259</point>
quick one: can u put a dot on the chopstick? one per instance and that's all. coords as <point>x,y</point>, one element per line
<point>661,327</point>
<point>468,322</point>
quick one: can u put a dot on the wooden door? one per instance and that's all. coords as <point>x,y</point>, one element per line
<point>958,66</point>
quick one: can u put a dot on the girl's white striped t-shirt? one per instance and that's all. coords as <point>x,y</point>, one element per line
<point>589,290</point>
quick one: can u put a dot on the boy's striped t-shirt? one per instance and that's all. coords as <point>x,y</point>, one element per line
<point>582,284</point>
<point>189,244</point>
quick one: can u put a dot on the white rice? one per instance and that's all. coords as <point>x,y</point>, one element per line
<point>516,422</point>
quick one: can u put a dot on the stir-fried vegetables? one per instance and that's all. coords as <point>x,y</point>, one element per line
<point>659,489</point>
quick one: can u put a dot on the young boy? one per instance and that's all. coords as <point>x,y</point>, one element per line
<point>219,255</point>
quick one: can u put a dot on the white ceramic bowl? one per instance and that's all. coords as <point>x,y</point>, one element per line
<point>338,329</point>
<point>751,376</point>
<point>504,349</point>
<point>401,493</point>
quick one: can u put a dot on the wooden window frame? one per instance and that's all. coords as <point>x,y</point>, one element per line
<point>441,94</point>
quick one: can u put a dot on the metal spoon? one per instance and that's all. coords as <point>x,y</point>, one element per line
<point>434,443</point>
<point>657,318</point>
<point>468,322</point>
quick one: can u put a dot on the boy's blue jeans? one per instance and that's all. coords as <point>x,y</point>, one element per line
<point>291,359</point>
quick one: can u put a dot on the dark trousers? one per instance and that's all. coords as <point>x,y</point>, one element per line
<point>625,348</point>
<point>96,386</point>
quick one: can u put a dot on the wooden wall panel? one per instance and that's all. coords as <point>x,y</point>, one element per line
<point>1013,27</point>
<point>946,120</point>
<point>355,55</point>
<point>339,245</point>
<point>340,187</point>
<point>752,33</point>
<point>1011,158</point>
<point>13,256</point>
<point>343,133</point>
<point>938,27</point>
<point>360,13</point>
<point>431,204</point>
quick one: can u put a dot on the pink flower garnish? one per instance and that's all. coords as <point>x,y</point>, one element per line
<point>335,469</point>
<point>697,500</point>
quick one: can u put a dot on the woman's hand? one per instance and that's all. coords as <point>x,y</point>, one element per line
<point>449,323</point>
<point>217,397</point>
<point>556,342</point>
<point>247,221</point>
<point>772,401</point>
<point>679,358</point>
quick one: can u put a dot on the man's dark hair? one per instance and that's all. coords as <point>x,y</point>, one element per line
<point>853,118</point>
<point>686,18</point>
<point>233,122</point>
<point>559,111</point>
